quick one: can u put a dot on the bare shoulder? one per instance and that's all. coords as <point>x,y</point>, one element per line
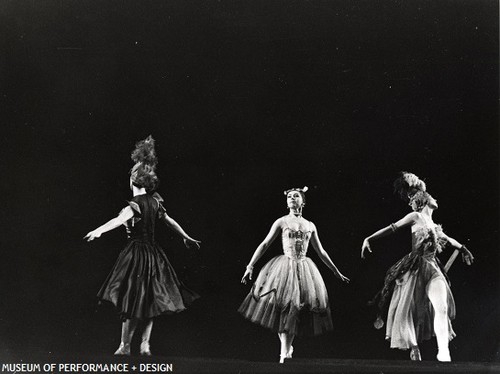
<point>312,226</point>
<point>280,222</point>
<point>281,219</point>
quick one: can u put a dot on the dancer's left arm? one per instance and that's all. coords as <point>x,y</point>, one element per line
<point>171,223</point>
<point>123,217</point>
<point>467,256</point>
<point>323,255</point>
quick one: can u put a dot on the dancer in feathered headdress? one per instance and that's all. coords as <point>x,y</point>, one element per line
<point>407,185</point>
<point>290,285</point>
<point>421,302</point>
<point>142,284</point>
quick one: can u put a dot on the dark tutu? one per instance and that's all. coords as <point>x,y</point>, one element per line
<point>289,296</point>
<point>410,315</point>
<point>142,283</point>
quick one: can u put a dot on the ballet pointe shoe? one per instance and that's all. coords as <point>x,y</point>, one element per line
<point>443,355</point>
<point>123,349</point>
<point>415,353</point>
<point>144,350</point>
<point>286,355</point>
<point>290,352</point>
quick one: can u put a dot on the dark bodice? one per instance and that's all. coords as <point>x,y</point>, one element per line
<point>147,209</point>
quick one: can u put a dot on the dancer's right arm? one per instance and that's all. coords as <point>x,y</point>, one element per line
<point>409,219</point>
<point>261,249</point>
<point>126,214</point>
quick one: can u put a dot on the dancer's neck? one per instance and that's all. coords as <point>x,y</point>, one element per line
<point>427,213</point>
<point>138,191</point>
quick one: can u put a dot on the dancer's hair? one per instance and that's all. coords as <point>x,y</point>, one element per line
<point>420,198</point>
<point>143,174</point>
<point>302,192</point>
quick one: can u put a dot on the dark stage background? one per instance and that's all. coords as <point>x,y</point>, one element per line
<point>245,99</point>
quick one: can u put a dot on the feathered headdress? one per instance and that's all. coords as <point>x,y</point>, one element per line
<point>407,185</point>
<point>143,173</point>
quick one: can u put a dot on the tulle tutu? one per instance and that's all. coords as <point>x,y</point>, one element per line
<point>143,284</point>
<point>289,296</point>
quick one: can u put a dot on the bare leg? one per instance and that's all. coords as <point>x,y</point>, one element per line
<point>146,334</point>
<point>437,295</point>
<point>128,328</point>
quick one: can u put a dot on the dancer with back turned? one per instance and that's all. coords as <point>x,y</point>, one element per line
<point>142,284</point>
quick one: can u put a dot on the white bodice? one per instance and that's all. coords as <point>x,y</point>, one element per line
<point>295,243</point>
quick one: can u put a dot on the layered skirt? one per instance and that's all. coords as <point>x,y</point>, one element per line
<point>289,296</point>
<point>410,314</point>
<point>143,284</point>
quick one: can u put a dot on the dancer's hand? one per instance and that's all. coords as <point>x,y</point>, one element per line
<point>365,247</point>
<point>467,256</point>
<point>192,243</point>
<point>248,273</point>
<point>342,277</point>
<point>92,235</point>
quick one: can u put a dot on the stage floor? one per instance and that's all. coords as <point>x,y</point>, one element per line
<point>138,364</point>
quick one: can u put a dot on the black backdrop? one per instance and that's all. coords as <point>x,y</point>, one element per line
<point>245,99</point>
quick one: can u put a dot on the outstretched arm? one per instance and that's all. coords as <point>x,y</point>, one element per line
<point>261,249</point>
<point>123,217</point>
<point>171,223</point>
<point>409,219</point>
<point>323,255</point>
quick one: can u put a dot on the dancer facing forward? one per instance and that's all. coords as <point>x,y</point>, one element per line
<point>289,295</point>
<point>421,302</point>
<point>142,284</point>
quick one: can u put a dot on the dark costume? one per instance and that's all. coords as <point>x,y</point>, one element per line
<point>142,283</point>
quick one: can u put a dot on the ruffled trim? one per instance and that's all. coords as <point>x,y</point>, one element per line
<point>134,206</point>
<point>158,198</point>
<point>160,201</point>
